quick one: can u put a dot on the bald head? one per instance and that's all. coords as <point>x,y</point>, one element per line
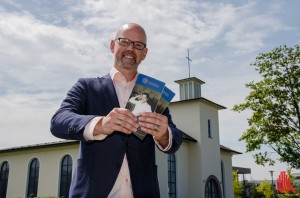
<point>134,27</point>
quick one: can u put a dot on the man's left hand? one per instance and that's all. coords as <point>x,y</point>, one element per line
<point>156,125</point>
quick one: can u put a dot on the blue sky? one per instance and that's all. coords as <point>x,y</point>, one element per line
<point>47,45</point>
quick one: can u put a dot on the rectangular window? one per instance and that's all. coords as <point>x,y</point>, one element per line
<point>172,176</point>
<point>181,92</point>
<point>197,90</point>
<point>186,91</point>
<point>209,128</point>
<point>190,90</point>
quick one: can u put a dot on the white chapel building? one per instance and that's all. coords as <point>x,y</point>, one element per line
<point>201,168</point>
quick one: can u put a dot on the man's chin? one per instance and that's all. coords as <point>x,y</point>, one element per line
<point>128,67</point>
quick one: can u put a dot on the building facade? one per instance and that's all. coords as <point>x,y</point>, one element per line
<point>200,168</point>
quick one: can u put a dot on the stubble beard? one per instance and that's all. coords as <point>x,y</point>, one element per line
<point>127,66</point>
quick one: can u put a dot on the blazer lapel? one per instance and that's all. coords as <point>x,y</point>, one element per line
<point>108,90</point>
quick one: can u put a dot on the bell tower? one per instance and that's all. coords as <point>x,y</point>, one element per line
<point>190,88</point>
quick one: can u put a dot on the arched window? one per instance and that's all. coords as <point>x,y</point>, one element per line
<point>4,171</point>
<point>172,175</point>
<point>212,188</point>
<point>65,176</point>
<point>33,178</point>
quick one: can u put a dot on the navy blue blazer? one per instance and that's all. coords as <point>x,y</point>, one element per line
<point>99,162</point>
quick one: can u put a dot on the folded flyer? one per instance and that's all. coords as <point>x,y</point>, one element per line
<point>163,103</point>
<point>144,97</point>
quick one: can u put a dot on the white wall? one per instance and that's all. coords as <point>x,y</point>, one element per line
<point>210,147</point>
<point>204,156</point>
<point>162,172</point>
<point>183,164</point>
<point>227,160</point>
<point>49,159</point>
<point>182,170</point>
<point>186,115</point>
<point>195,161</point>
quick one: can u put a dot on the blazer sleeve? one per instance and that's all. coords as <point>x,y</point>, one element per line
<point>70,119</point>
<point>177,134</point>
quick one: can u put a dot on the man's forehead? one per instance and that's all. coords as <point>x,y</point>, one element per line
<point>125,26</point>
<point>132,28</point>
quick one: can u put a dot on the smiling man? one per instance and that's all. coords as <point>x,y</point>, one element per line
<point>112,162</point>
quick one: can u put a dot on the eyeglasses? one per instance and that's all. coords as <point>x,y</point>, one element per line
<point>126,42</point>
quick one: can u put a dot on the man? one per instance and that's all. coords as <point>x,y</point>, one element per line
<point>140,104</point>
<point>112,162</point>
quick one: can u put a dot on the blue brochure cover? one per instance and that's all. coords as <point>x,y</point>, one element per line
<point>144,97</point>
<point>166,98</point>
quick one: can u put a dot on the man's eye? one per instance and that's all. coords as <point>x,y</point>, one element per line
<point>139,45</point>
<point>125,42</point>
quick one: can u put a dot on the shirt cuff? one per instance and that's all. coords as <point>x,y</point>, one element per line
<point>170,141</point>
<point>89,129</point>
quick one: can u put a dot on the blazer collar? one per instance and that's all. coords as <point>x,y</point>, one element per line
<point>108,90</point>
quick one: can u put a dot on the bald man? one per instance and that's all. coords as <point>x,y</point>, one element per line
<point>112,162</point>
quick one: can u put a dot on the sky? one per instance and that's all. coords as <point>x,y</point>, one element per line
<point>45,46</point>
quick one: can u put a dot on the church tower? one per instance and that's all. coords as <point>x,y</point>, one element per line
<point>190,88</point>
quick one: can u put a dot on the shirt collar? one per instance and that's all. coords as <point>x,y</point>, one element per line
<point>118,76</point>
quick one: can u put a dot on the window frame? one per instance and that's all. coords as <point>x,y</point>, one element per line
<point>65,179</point>
<point>172,179</point>
<point>33,177</point>
<point>4,175</point>
<point>209,128</point>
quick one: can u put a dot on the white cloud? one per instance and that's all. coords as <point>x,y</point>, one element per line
<point>46,47</point>
<point>249,29</point>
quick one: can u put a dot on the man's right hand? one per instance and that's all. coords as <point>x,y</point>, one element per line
<point>119,119</point>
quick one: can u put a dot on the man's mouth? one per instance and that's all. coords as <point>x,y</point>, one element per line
<point>129,57</point>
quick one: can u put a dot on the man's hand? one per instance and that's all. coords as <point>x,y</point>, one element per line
<point>156,125</point>
<point>119,119</point>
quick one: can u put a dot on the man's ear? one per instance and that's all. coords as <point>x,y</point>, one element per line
<point>112,46</point>
<point>145,51</point>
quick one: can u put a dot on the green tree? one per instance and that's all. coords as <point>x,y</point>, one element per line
<point>274,103</point>
<point>290,175</point>
<point>237,186</point>
<point>265,188</point>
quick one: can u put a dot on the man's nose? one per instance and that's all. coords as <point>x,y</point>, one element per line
<point>130,47</point>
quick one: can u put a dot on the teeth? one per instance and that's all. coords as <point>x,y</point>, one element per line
<point>127,56</point>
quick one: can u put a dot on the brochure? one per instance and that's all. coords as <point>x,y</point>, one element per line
<point>163,103</point>
<point>144,97</point>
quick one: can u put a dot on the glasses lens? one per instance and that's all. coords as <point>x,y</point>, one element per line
<point>124,42</point>
<point>127,42</point>
<point>138,45</point>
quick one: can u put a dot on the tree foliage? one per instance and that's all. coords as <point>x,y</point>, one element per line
<point>237,186</point>
<point>265,188</point>
<point>274,104</point>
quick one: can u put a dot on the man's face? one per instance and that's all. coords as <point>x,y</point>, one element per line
<point>128,57</point>
<point>144,98</point>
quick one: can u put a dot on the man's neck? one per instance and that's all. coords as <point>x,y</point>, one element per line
<point>129,75</point>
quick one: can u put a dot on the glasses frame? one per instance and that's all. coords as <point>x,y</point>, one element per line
<point>130,41</point>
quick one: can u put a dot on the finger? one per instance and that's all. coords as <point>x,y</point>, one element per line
<point>128,124</point>
<point>125,113</point>
<point>118,122</point>
<point>153,118</point>
<point>122,129</point>
<point>153,124</point>
<point>151,128</point>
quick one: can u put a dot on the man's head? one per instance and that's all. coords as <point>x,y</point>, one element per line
<point>145,97</point>
<point>129,47</point>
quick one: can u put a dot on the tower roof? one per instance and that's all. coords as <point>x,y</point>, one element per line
<point>197,80</point>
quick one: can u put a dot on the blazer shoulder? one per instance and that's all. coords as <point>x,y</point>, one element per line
<point>95,79</point>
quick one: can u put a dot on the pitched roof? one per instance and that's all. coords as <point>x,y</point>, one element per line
<point>201,99</point>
